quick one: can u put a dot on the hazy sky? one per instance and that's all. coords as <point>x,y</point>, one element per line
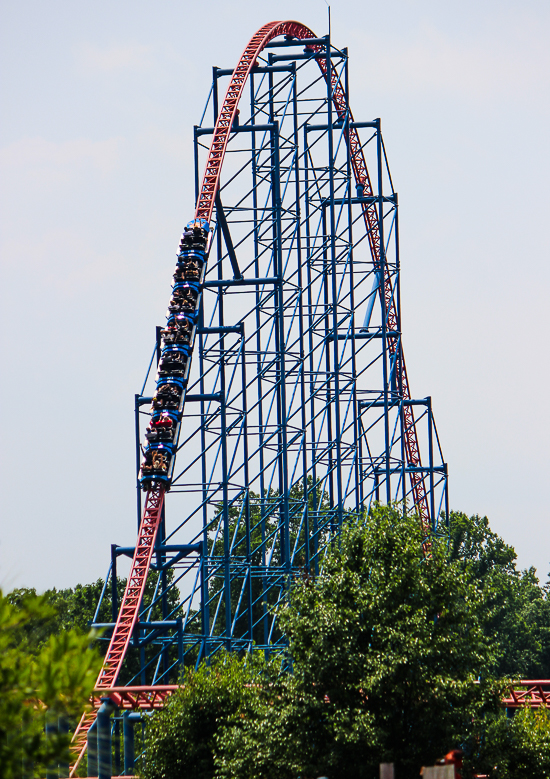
<point>98,104</point>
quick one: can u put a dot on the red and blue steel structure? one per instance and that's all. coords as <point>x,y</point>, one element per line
<point>281,390</point>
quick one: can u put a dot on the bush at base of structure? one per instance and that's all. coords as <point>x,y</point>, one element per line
<point>181,739</point>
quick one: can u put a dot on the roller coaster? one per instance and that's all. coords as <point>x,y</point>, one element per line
<point>277,403</point>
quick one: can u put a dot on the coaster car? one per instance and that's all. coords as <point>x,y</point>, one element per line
<point>162,428</point>
<point>173,361</point>
<point>195,235</point>
<point>168,395</point>
<point>156,465</point>
<point>185,297</point>
<point>178,330</point>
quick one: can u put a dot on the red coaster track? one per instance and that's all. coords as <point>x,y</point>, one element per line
<point>128,613</point>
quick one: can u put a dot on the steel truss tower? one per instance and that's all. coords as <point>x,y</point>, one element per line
<point>296,412</point>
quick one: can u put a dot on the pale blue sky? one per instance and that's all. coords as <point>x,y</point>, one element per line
<point>98,104</point>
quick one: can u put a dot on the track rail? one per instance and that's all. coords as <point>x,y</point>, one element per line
<point>211,182</point>
<point>529,693</point>
<point>127,615</point>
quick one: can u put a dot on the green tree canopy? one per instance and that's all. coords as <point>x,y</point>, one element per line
<point>519,607</point>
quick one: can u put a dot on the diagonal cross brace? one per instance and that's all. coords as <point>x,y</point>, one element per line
<point>222,221</point>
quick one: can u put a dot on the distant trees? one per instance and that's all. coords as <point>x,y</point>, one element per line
<point>262,518</point>
<point>518,607</point>
<point>74,608</point>
<point>44,675</point>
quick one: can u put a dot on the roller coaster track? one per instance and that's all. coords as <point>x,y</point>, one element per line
<point>205,205</point>
<point>128,613</point>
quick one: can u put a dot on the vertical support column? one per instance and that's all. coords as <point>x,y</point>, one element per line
<point>259,357</point>
<point>380,186</point>
<point>117,746</point>
<point>248,526</point>
<point>128,720</point>
<point>196,158</point>
<point>204,649</point>
<point>355,404</point>
<point>91,739</point>
<point>180,640</point>
<point>114,583</point>
<point>403,450</point>
<point>310,251</point>
<point>225,499</point>
<point>161,559</point>
<point>280,345</point>
<point>301,293</point>
<point>104,738</point>
<point>334,390</point>
<point>399,353</point>
<point>431,463</point>
<point>447,520</point>
<point>328,374</point>
<point>276,232</point>
<point>137,405</point>
<point>63,728</point>
<point>158,337</point>
<point>205,609</point>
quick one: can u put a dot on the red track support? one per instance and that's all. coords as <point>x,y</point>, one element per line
<point>148,697</point>
<point>530,693</point>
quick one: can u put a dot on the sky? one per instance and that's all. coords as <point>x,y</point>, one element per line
<point>98,105</point>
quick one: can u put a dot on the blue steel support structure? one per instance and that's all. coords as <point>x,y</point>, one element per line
<point>297,409</point>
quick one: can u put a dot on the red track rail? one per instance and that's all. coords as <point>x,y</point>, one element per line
<point>151,697</point>
<point>530,693</point>
<point>127,615</point>
<point>211,182</point>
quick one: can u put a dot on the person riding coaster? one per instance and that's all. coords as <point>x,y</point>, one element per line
<point>188,268</point>
<point>161,428</point>
<point>184,298</point>
<point>195,235</point>
<point>156,460</point>
<point>167,396</point>
<point>174,359</point>
<point>178,330</point>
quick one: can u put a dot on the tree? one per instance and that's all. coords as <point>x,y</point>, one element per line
<point>52,678</point>
<point>516,748</point>
<point>387,649</point>
<point>75,608</point>
<point>519,607</point>
<point>181,739</point>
